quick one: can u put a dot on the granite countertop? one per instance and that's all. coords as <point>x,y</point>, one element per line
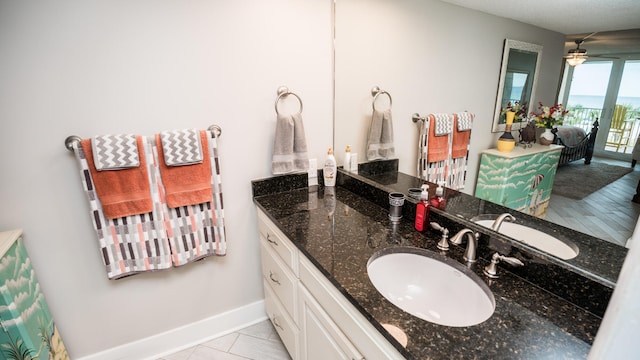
<point>340,236</point>
<point>598,260</point>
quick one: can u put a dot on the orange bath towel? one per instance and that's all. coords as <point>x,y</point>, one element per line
<point>188,184</point>
<point>438,146</point>
<point>461,134</point>
<point>121,192</point>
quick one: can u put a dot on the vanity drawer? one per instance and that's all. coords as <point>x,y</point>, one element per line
<point>280,279</point>
<point>275,239</point>
<point>282,322</point>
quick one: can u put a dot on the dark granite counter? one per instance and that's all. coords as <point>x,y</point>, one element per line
<point>339,236</point>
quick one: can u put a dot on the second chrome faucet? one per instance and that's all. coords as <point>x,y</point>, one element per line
<point>472,243</point>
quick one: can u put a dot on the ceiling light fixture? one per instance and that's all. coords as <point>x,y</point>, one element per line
<point>576,59</point>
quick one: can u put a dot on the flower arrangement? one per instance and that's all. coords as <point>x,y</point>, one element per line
<point>549,117</point>
<point>516,107</point>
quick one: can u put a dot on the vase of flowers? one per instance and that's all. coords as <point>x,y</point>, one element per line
<point>519,110</point>
<point>549,117</point>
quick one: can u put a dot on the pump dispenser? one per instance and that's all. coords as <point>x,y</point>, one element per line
<point>347,158</point>
<point>438,200</point>
<point>422,209</point>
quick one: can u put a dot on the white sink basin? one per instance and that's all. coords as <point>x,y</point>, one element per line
<point>431,286</point>
<point>536,239</point>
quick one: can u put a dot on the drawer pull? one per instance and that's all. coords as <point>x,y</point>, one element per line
<point>271,241</point>
<point>273,278</point>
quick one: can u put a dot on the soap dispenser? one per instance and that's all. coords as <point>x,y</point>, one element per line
<point>347,158</point>
<point>329,171</point>
<point>438,200</point>
<point>422,209</point>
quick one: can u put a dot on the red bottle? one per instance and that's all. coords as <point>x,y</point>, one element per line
<point>422,209</point>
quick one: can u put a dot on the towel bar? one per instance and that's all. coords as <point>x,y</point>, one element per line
<point>72,139</point>
<point>416,117</point>
<point>376,91</point>
<point>283,92</point>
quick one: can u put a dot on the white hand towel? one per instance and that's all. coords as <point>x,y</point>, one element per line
<point>290,145</point>
<point>380,141</point>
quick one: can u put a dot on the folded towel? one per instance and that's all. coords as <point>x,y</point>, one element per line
<point>290,145</point>
<point>130,244</point>
<point>123,192</point>
<point>443,124</point>
<point>464,121</point>
<point>461,134</point>
<point>181,147</point>
<point>189,184</point>
<point>380,141</point>
<point>438,145</point>
<point>115,152</point>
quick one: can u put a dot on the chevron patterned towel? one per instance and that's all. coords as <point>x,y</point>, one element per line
<point>464,121</point>
<point>115,152</point>
<point>181,147</point>
<point>443,124</point>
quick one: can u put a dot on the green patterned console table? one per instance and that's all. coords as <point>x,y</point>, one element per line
<point>27,328</point>
<point>521,179</point>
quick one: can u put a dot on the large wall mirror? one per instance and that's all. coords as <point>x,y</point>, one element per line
<point>431,57</point>
<point>518,78</point>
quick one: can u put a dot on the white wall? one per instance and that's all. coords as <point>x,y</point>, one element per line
<point>432,57</point>
<point>88,67</point>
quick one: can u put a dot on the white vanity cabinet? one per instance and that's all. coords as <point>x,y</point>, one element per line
<point>312,317</point>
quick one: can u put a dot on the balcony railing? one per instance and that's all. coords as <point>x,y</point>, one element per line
<point>584,118</point>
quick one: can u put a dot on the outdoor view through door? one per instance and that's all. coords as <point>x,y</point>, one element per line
<point>610,91</point>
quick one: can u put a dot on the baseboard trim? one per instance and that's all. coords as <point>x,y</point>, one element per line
<point>186,336</point>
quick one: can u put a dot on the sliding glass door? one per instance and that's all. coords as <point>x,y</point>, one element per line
<point>608,90</point>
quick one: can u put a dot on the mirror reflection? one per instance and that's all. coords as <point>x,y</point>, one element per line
<point>517,79</point>
<point>429,66</point>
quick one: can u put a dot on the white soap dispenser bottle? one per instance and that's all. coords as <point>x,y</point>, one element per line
<point>347,158</point>
<point>329,171</point>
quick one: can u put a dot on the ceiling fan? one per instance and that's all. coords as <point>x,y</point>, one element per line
<point>577,56</point>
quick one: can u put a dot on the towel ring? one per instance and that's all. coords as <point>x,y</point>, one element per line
<point>375,91</point>
<point>283,92</point>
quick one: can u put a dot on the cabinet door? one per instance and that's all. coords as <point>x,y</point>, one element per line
<point>321,337</point>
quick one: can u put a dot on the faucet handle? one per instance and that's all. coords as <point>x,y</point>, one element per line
<point>491,270</point>
<point>443,244</point>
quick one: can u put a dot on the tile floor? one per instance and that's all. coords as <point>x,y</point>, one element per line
<point>256,342</point>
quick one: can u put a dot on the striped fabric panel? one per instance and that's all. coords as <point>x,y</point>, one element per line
<point>458,174</point>
<point>131,244</point>
<point>197,231</point>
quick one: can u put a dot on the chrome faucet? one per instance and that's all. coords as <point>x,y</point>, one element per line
<point>472,243</point>
<point>506,216</point>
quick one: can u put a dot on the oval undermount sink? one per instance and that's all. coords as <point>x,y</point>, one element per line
<point>536,238</point>
<point>431,286</point>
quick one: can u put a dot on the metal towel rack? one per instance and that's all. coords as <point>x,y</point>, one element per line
<point>216,131</point>
<point>416,117</point>
<point>283,92</point>
<point>376,91</point>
